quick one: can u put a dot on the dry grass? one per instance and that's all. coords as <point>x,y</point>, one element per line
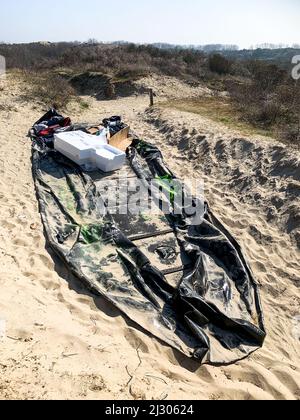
<point>218,109</point>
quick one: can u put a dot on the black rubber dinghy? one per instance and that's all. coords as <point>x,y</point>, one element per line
<point>187,284</point>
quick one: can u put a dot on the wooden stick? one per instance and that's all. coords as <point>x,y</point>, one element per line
<point>151,97</point>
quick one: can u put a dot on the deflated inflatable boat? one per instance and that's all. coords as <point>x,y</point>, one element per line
<point>187,284</point>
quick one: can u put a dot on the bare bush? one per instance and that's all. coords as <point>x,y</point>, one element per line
<point>105,58</point>
<point>269,99</point>
<point>48,89</point>
<point>132,72</point>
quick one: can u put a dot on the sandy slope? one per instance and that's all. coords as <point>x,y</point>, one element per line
<point>62,342</point>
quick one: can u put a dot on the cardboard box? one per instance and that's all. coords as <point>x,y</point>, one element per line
<point>121,140</point>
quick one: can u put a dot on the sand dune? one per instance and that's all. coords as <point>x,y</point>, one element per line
<point>62,342</point>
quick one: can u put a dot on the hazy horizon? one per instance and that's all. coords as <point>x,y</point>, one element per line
<point>262,46</point>
<point>229,22</point>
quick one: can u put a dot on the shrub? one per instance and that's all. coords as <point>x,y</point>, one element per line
<point>269,99</point>
<point>48,89</point>
<point>219,64</point>
<point>266,76</point>
<point>291,133</point>
<point>132,73</point>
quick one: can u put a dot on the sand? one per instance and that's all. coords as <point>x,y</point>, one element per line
<point>61,342</point>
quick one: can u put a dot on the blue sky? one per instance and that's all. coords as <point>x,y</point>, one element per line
<point>238,22</point>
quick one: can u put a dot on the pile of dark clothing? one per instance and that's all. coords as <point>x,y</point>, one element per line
<point>114,124</point>
<point>49,124</point>
<point>52,123</point>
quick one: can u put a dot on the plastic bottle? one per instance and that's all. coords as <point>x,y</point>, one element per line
<point>103,136</point>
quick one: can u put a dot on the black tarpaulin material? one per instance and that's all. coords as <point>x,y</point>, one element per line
<point>187,284</point>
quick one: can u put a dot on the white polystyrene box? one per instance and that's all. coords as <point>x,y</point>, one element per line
<point>88,151</point>
<point>110,159</point>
